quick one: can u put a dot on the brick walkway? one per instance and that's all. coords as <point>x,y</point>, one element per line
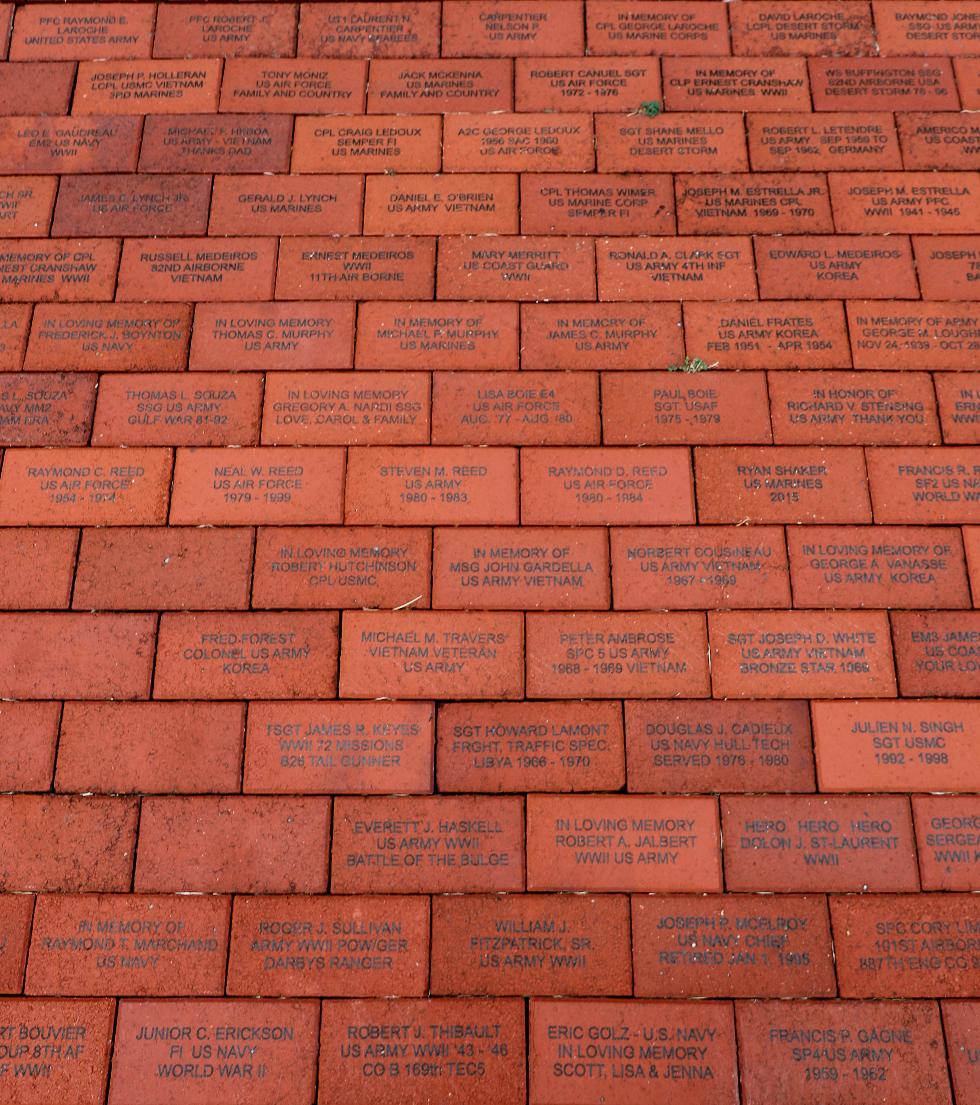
<point>490,553</point>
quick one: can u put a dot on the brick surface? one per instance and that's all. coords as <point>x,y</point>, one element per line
<point>28,738</point>
<point>16,911</point>
<point>945,829</point>
<point>37,566</point>
<point>960,1020</point>
<point>626,335</point>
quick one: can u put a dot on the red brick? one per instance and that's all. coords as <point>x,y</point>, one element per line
<point>76,655</point>
<point>800,654</point>
<point>766,203</point>
<point>67,844</point>
<point>6,21</point>
<point>949,268</point>
<point>216,143</point>
<point>14,324</point>
<point>300,85</point>
<point>802,28</point>
<point>945,828</point>
<point>818,843</point>
<point>732,946</point>
<point>849,408</point>
<point>345,960</point>
<point>683,142</point>
<point>677,408</point>
<point>844,140</point>
<point>518,569</point>
<point>589,952</point>
<point>531,142</point>
<point>118,204</point>
<point>508,746</point>
<point>591,84</point>
<point>173,409</point>
<point>513,28</point>
<point>339,747</point>
<point>526,267</point>
<point>457,203</point>
<point>26,204</point>
<point>639,655</point>
<point>82,31</point>
<point>905,946</point>
<point>60,144</point>
<point>352,567</point>
<point>431,654</point>
<point>663,27</point>
<point>959,407</point>
<point>123,337</point>
<point>675,268</point>
<point>775,1065</point>
<point>962,1021</point>
<point>263,486</point>
<point>685,568</point>
<point>911,27</point>
<point>36,566</point>
<point>15,924</point>
<point>826,267</point>
<point>79,1068</point>
<point>587,842</point>
<point>741,84</point>
<point>180,269</point>
<point>285,204</point>
<point>272,337</point>
<point>971,542</point>
<point>250,655</point>
<point>648,1075</point>
<point>279,1070</point>
<point>36,87</point>
<point>781,484</point>
<point>686,747</point>
<point>877,566</point>
<point>28,737</point>
<point>938,140</point>
<point>882,84</point>
<point>153,747</point>
<point>626,335</point>
<point>67,269</point>
<point>94,487</point>
<point>241,844</point>
<point>441,85</point>
<point>606,486</point>
<point>147,87</point>
<point>912,335</point>
<point>163,569</point>
<point>366,30</point>
<point>378,143</point>
<point>175,945</point>
<point>925,485</point>
<point>568,203</point>
<point>497,1078</point>
<point>926,203</point>
<point>353,267</point>
<point>498,408</point>
<point>464,335</point>
<point>225,30</point>
<point>431,486</point>
<point>967,72</point>
<point>937,652</point>
<point>445,844</point>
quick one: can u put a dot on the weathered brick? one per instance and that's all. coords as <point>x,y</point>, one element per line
<point>28,738</point>
<point>36,568</point>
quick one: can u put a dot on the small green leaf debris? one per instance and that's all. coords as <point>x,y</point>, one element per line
<point>651,108</point>
<point>692,364</point>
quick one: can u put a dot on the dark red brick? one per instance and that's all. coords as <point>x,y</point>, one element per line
<point>216,143</point>
<point>82,31</point>
<point>911,335</point>
<point>28,738</point>
<point>946,831</point>
<point>46,409</point>
<point>36,567</point>
<point>355,268</point>
<point>120,204</point>
<point>366,30</point>
<point>26,204</point>
<point>67,269</point>
<point>147,87</point>
<point>948,267</point>
<point>225,30</point>
<point>962,1021</point>
<point>300,85</point>
<point>959,407</point>
<point>938,139</point>
<point>924,485</point>
<point>827,267</point>
<point>937,652</point>
<point>182,269</point>
<point>63,144</point>
<point>16,911</point>
<point>36,87</point>
<point>14,325</point>
<point>624,335</point>
<point>286,204</point>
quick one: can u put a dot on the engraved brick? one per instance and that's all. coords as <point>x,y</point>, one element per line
<point>82,31</point>
<point>347,947</point>
<point>147,87</point>
<point>339,748</point>
<point>28,737</point>
<point>971,544</point>
<point>842,140</point>
<point>689,268</point>
<point>151,747</point>
<point>216,143</point>
<point>26,204</point>
<point>766,203</point>
<point>698,568</point>
<point>925,203</point>
<point>225,30</point>
<point>521,746</point>
<point>441,85</point>
<point>791,843</point>
<point>624,335</point>
<point>962,1021</point>
<point>250,655</point>
<point>781,484</point>
<point>16,911</point>
<point>740,84</point>
<point>61,144</point>
<point>687,747</point>
<point>938,139</point>
<point>584,949</point>
<point>882,84</point>
<point>732,946</point>
<point>911,28</point>
<point>67,844</point>
<point>123,337</point>
<point>180,269</point>
<point>590,84</point>
<point>772,27</point>
<point>530,142</point>
<point>523,268</point>
<point>509,28</point>
<point>241,844</point>
<point>937,652</point>
<point>443,844</point>
<point>912,335</point>
<point>285,204</point>
<point>925,485</point>
<point>372,144</point>
<point>67,269</point>
<point>369,30</point>
<point>690,142</point>
<point>667,27</point>
<point>959,407</point>
<point>806,653</point>
<point>945,828</point>
<point>94,944</point>
<point>452,203</point>
<point>118,205</point>
<point>568,203</point>
<point>967,73</point>
<point>353,267</point>
<point>431,654</point>
<point>299,85</point>
<point>46,409</point>
<point>14,325</point>
<point>606,486</point>
<point>93,487</point>
<point>948,267</point>
<point>826,267</point>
